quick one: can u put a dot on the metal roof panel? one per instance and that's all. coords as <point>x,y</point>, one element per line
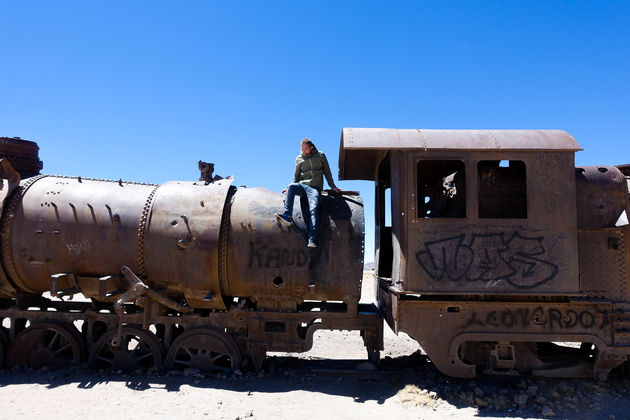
<point>393,138</point>
<point>362,148</point>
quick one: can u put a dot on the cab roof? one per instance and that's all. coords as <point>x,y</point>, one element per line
<point>362,148</point>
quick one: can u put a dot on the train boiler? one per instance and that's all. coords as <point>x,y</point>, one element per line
<point>187,274</point>
<point>493,250</point>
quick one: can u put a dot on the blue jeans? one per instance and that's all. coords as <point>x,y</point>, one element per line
<point>313,195</point>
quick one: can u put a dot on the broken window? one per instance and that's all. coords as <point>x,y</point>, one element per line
<point>441,189</point>
<point>502,189</point>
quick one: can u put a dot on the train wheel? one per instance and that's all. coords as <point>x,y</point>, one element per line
<point>209,350</point>
<point>4,346</point>
<point>47,344</point>
<point>138,349</point>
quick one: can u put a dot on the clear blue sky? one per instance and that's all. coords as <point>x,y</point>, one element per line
<point>143,89</point>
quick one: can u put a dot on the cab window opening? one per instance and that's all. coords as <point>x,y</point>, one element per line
<point>502,189</point>
<point>441,189</point>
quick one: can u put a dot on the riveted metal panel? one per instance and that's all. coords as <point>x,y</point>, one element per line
<point>182,240</point>
<point>471,254</point>
<point>73,225</point>
<point>262,250</point>
<point>602,196</point>
<point>441,327</point>
<point>361,147</point>
<point>603,260</point>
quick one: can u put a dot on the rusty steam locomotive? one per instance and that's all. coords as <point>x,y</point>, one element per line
<point>491,247</point>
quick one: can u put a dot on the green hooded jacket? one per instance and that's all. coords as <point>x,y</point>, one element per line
<point>311,168</point>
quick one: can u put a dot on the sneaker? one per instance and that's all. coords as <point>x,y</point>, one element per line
<point>285,219</point>
<point>311,244</point>
<point>311,284</point>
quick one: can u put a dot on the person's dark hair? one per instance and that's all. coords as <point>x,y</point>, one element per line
<point>308,141</point>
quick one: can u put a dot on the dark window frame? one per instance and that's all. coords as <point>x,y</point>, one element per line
<point>440,189</point>
<point>502,191</point>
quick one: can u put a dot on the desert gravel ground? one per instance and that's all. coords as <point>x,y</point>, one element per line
<point>293,386</point>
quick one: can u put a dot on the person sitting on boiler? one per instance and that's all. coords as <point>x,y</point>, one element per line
<point>311,166</point>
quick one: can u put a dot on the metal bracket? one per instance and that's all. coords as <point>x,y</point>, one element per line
<point>54,285</point>
<point>140,290</point>
<point>504,356</point>
<point>102,288</point>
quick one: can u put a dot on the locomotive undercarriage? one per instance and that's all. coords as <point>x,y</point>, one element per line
<point>549,338</point>
<point>43,332</point>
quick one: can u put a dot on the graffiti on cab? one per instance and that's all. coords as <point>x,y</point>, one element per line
<point>548,318</point>
<point>519,260</point>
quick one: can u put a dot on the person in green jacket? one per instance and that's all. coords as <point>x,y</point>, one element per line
<point>311,166</point>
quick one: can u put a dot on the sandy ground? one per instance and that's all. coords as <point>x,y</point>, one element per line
<point>294,386</point>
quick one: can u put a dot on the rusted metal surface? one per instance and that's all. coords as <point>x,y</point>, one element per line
<point>271,262</point>
<point>498,255</point>
<point>481,239</point>
<point>249,329</point>
<point>481,258</point>
<point>176,269</point>
<point>138,289</point>
<point>170,235</point>
<point>46,344</point>
<point>11,208</point>
<point>71,225</point>
<point>205,349</point>
<point>182,241</point>
<point>501,337</point>
<point>361,148</point>
<point>9,182</point>
<point>602,196</point>
<point>93,228</point>
<point>23,155</point>
<point>604,269</point>
<point>496,248</point>
<point>139,349</point>
<point>625,169</point>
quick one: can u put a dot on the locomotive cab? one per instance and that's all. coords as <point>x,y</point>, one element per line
<point>472,211</point>
<point>481,261</point>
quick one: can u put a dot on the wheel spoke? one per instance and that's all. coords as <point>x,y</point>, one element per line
<point>209,350</point>
<point>47,343</point>
<point>144,356</point>
<point>53,340</point>
<point>138,349</point>
<point>217,357</point>
<point>104,359</point>
<point>61,349</point>
<point>182,362</point>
